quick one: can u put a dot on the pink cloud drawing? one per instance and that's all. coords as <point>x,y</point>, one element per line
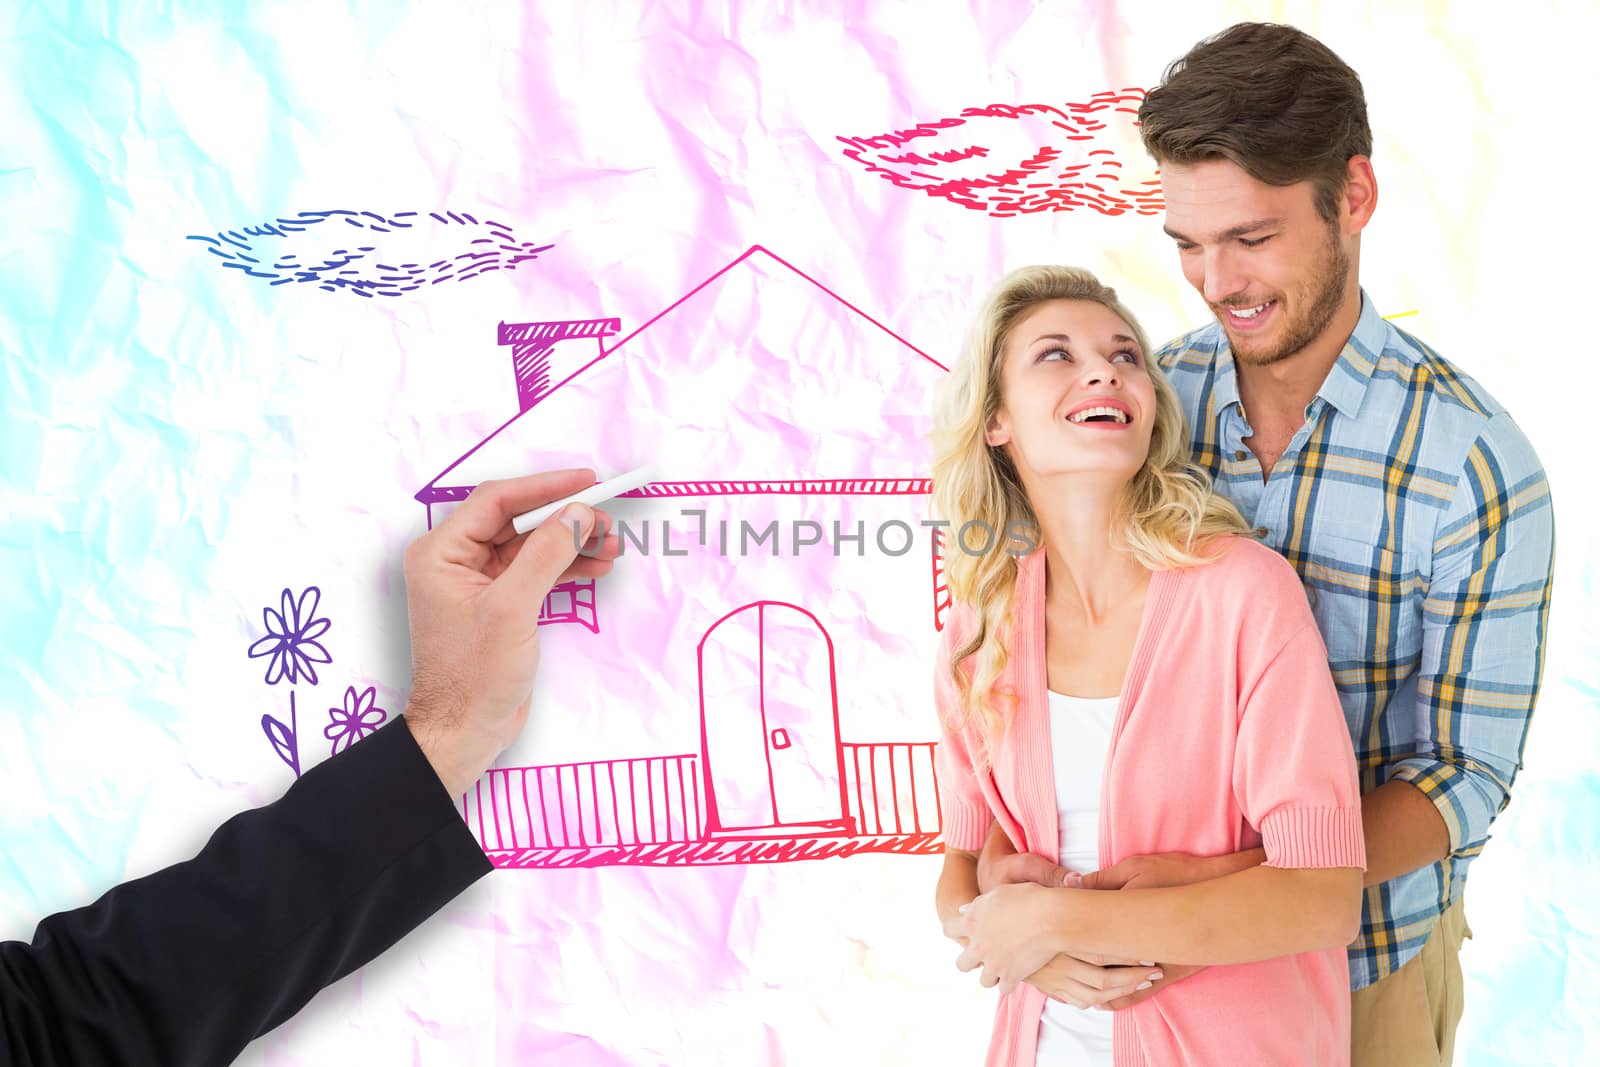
<point>1007,160</point>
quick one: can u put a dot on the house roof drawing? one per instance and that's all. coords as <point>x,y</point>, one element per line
<point>759,379</point>
<point>771,383</point>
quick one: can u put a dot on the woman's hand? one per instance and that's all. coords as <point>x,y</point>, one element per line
<point>1173,972</point>
<point>1003,930</point>
<point>1093,983</point>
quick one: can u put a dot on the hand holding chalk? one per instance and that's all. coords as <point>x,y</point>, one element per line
<point>593,496</point>
<point>473,594</point>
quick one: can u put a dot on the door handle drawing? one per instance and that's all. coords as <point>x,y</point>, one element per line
<point>780,738</point>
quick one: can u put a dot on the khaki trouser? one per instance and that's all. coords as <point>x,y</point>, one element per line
<point>1409,1018</point>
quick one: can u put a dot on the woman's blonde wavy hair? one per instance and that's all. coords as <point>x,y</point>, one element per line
<point>1169,514</point>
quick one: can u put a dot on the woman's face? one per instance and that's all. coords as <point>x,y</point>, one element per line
<point>1075,395</point>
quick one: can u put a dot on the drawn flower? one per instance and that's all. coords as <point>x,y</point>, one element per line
<point>291,639</point>
<point>358,718</point>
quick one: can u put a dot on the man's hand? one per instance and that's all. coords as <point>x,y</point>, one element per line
<point>474,588</point>
<point>1001,864</point>
<point>1160,870</point>
<point>1096,982</point>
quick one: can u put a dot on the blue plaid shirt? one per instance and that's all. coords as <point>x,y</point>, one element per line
<point>1418,517</point>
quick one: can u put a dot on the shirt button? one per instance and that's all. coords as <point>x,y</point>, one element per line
<point>1239,455</point>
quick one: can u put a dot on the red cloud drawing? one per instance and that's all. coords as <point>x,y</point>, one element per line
<point>1010,160</point>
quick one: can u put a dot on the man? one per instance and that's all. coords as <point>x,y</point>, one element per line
<point>1412,506</point>
<point>188,965</point>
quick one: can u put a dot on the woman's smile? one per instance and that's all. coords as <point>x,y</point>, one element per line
<point>1101,413</point>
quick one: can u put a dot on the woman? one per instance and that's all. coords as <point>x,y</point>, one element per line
<point>1147,680</point>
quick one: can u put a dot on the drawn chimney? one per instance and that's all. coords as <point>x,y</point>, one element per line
<point>531,346</point>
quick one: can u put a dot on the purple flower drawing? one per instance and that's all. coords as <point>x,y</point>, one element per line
<point>291,639</point>
<point>358,718</point>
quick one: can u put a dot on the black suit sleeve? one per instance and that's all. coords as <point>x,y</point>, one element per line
<point>188,965</point>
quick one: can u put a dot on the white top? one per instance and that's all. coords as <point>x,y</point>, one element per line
<point>1080,738</point>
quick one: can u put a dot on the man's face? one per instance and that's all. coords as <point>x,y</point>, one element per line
<point>1273,271</point>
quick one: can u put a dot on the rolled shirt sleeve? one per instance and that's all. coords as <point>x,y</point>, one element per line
<point>1484,622</point>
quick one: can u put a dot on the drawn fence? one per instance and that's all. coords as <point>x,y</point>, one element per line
<point>643,801</point>
<point>632,807</point>
<point>892,788</point>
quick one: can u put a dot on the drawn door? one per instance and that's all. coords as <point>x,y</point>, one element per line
<point>769,720</point>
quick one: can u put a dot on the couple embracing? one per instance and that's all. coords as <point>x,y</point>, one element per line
<point>1219,753</point>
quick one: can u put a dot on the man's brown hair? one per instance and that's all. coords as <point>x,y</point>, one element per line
<point>1272,99</point>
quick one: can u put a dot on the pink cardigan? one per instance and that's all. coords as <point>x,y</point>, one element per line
<point>1229,736</point>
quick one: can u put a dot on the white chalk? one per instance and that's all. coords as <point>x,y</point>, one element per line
<point>595,495</point>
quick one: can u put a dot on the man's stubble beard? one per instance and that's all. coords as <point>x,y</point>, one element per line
<point>1327,292</point>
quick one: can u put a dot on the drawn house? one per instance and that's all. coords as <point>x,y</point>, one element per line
<point>767,636</point>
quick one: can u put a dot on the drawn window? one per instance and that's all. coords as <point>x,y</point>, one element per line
<point>941,590</point>
<point>571,602</point>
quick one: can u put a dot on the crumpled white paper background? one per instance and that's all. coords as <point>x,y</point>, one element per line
<point>179,441</point>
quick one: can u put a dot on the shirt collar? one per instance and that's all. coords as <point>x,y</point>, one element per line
<point>1346,384</point>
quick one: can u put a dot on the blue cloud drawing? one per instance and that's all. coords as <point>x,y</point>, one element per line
<point>387,255</point>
